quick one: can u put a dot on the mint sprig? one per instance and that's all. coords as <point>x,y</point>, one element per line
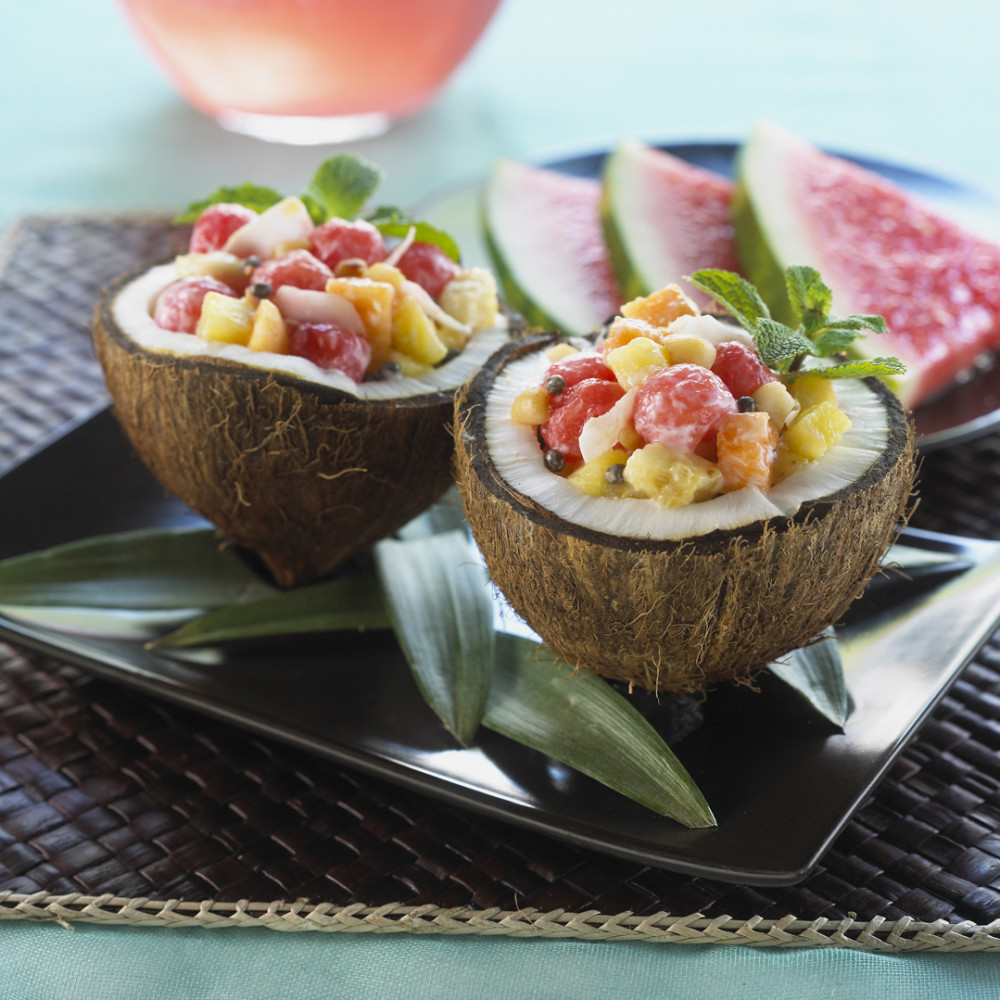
<point>816,335</point>
<point>339,189</point>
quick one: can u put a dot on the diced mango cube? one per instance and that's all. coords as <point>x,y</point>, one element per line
<point>670,477</point>
<point>815,431</point>
<point>811,389</point>
<point>270,332</point>
<point>623,329</point>
<point>415,334</point>
<point>661,307</point>
<point>225,319</point>
<point>471,297</point>
<point>745,446</point>
<point>531,406</point>
<point>592,478</point>
<point>635,361</point>
<point>373,301</point>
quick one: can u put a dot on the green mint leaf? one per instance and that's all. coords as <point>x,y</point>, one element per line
<point>878,367</point>
<point>876,324</point>
<point>340,187</point>
<point>249,195</point>
<point>391,221</point>
<point>734,292</point>
<point>809,297</point>
<point>778,344</point>
<point>832,340</point>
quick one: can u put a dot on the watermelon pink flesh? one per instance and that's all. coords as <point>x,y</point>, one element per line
<point>684,221</point>
<point>884,252</point>
<point>547,226</point>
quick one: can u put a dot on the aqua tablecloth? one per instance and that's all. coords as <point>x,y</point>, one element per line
<point>86,122</point>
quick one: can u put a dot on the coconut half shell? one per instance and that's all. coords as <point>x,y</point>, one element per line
<point>304,473</point>
<point>673,614</point>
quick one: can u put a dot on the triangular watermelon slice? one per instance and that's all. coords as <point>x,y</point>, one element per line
<point>664,218</point>
<point>880,249</point>
<point>543,234</point>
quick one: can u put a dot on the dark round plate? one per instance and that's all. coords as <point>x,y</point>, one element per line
<point>968,410</point>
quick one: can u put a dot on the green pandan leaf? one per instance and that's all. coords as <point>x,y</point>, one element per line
<point>734,292</point>
<point>251,196</point>
<point>817,673</point>
<point>579,719</point>
<point>148,570</point>
<point>352,603</point>
<point>340,187</point>
<point>438,600</point>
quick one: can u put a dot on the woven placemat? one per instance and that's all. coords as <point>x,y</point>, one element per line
<point>118,808</point>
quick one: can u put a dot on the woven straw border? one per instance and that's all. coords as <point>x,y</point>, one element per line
<point>877,934</point>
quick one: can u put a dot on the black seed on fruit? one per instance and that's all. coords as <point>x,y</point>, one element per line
<point>555,384</point>
<point>555,460</point>
<point>745,404</point>
<point>253,261</point>
<point>615,474</point>
<point>261,290</point>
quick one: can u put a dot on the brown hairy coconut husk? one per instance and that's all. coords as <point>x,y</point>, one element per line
<point>676,614</point>
<point>303,474</point>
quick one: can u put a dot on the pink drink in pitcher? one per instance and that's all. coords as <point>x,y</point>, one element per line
<point>310,70</point>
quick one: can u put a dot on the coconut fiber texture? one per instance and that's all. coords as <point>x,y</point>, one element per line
<point>111,801</point>
<point>302,475</point>
<point>678,616</point>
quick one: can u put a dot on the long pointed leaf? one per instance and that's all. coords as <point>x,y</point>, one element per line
<point>439,604</point>
<point>154,570</point>
<point>583,722</point>
<point>817,673</point>
<point>346,604</point>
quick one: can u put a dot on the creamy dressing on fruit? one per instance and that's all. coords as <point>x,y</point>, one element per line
<point>665,433</point>
<point>328,304</point>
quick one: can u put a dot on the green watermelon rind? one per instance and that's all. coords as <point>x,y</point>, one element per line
<point>624,263</point>
<point>764,265</point>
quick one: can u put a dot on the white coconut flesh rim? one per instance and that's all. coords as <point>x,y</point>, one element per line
<point>516,455</point>
<point>133,312</point>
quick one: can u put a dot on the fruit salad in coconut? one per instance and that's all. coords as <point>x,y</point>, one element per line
<point>688,498</point>
<point>291,376</point>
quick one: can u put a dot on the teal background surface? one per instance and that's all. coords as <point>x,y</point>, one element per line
<point>88,122</point>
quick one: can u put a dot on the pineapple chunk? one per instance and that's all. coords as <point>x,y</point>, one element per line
<point>591,477</point>
<point>531,406</point>
<point>414,334</point>
<point>815,431</point>
<point>226,267</point>
<point>811,389</point>
<point>270,333</point>
<point>559,351</point>
<point>688,348</point>
<point>471,297</point>
<point>662,307</point>
<point>777,402</point>
<point>225,319</point>
<point>409,367</point>
<point>380,271</point>
<point>373,301</point>
<point>635,361</point>
<point>670,477</point>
